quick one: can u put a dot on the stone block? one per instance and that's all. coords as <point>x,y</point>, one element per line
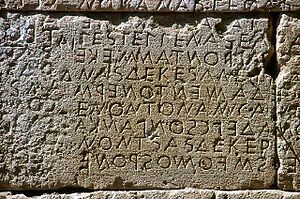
<point>135,102</point>
<point>288,106</point>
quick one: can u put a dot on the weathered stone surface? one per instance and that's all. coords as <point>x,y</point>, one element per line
<point>261,194</point>
<point>4,195</point>
<point>288,107</point>
<point>153,5</point>
<point>171,194</point>
<point>167,194</point>
<point>101,5</point>
<point>135,102</point>
<point>246,5</point>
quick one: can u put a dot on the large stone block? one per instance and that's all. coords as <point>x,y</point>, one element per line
<point>288,106</point>
<point>133,102</point>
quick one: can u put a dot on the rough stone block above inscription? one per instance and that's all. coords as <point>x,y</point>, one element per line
<point>101,5</point>
<point>288,106</point>
<point>135,102</point>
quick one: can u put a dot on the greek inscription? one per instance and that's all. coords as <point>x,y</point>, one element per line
<point>98,97</point>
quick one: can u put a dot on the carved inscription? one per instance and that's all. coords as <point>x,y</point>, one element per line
<point>103,5</point>
<point>153,105</point>
<point>153,5</point>
<point>247,5</point>
<point>288,106</point>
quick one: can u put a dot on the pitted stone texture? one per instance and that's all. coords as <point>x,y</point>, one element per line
<point>135,102</point>
<point>261,194</point>
<point>172,194</point>
<point>101,5</point>
<point>288,41</point>
<point>167,194</point>
<point>4,195</point>
<point>246,5</point>
<point>288,106</point>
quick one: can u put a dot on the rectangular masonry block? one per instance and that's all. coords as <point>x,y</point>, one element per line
<point>135,101</point>
<point>288,106</point>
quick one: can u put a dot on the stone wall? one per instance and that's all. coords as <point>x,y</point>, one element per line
<point>149,99</point>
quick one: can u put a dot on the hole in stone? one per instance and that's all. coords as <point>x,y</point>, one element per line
<point>254,72</point>
<point>221,27</point>
<point>272,68</point>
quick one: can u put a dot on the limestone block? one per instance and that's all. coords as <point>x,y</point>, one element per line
<point>101,5</point>
<point>288,107</point>
<point>134,102</point>
<point>246,5</point>
<point>261,194</point>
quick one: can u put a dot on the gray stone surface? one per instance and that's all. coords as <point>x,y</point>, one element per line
<point>288,106</point>
<point>134,102</point>
<point>259,194</point>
